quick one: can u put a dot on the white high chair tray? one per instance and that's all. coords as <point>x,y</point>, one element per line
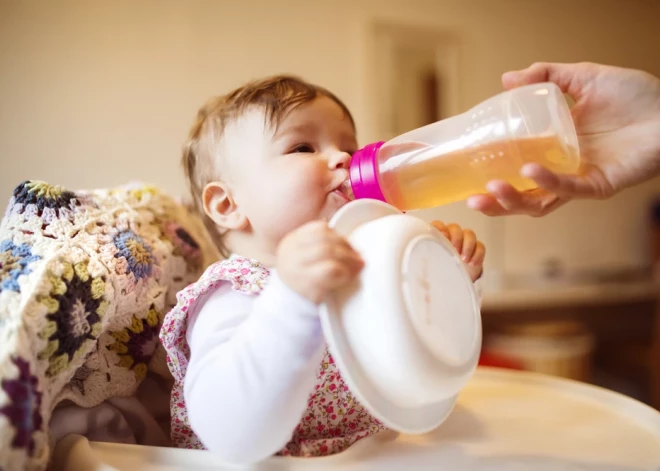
<point>504,420</point>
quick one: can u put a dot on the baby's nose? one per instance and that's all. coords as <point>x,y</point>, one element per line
<point>339,159</point>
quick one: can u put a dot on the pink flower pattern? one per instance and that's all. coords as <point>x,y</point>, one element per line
<point>334,419</point>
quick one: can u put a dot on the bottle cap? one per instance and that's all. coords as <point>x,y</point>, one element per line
<point>364,173</point>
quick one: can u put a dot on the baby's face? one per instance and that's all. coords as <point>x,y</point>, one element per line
<point>284,178</point>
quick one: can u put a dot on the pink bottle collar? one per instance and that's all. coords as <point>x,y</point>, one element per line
<point>364,173</point>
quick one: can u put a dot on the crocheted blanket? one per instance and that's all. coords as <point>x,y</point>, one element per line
<point>85,279</point>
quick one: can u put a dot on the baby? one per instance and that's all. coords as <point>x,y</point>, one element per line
<point>253,378</point>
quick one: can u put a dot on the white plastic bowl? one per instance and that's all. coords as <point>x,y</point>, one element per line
<point>406,335</point>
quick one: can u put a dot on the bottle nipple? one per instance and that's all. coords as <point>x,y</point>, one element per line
<point>347,190</point>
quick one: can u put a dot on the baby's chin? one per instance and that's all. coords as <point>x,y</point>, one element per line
<point>335,203</point>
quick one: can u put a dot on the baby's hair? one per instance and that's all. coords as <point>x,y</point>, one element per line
<point>277,96</point>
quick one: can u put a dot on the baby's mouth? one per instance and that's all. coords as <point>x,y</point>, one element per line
<point>346,190</point>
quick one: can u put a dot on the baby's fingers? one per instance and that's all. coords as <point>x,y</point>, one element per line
<point>342,254</point>
<point>479,255</point>
<point>440,226</point>
<point>456,236</point>
<point>469,245</point>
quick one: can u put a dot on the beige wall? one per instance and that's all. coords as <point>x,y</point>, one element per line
<point>96,93</point>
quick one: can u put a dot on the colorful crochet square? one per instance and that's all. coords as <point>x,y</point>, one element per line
<point>23,410</point>
<point>75,307</point>
<point>14,262</point>
<point>184,244</point>
<point>136,344</point>
<point>43,195</point>
<point>137,252</point>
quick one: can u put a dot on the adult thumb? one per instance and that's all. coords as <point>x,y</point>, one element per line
<point>569,78</point>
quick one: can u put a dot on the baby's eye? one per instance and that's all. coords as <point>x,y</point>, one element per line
<point>303,149</point>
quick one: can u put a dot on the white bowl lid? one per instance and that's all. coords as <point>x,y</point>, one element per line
<point>439,316</point>
<point>440,299</point>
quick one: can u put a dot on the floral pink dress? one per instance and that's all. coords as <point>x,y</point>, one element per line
<point>334,419</point>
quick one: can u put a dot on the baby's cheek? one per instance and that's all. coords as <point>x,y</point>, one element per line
<point>305,188</point>
<point>294,205</point>
<point>306,201</point>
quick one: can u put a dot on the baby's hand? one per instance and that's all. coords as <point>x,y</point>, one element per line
<point>466,244</point>
<point>314,260</point>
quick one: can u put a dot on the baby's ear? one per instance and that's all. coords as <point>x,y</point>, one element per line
<point>220,206</point>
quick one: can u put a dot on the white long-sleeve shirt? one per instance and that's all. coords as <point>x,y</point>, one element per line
<point>251,369</point>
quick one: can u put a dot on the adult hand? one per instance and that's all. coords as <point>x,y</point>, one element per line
<point>617,118</point>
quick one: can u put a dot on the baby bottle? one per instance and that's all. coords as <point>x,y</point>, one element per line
<point>454,158</point>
